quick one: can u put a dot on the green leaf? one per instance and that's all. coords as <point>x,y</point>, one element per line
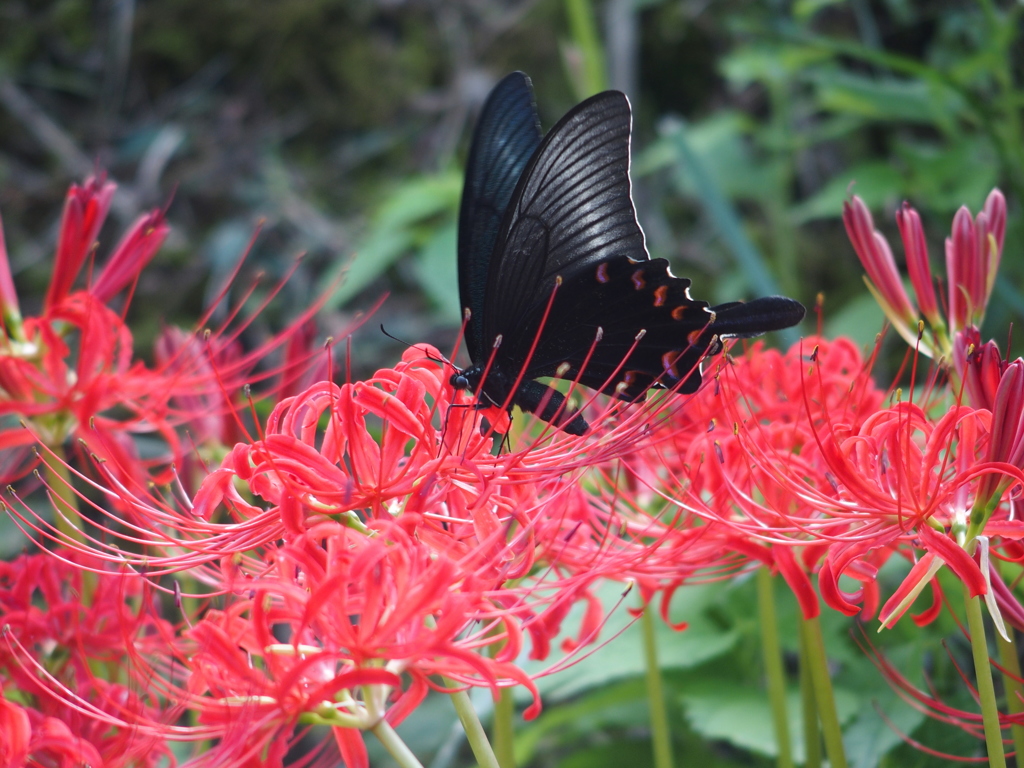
<point>876,729</point>
<point>622,705</point>
<point>623,656</point>
<point>860,319</point>
<point>740,714</point>
<point>438,274</point>
<point>889,99</point>
<point>614,755</point>
<point>394,231</point>
<point>805,9</point>
<point>878,183</point>
<point>947,175</point>
<point>768,63</point>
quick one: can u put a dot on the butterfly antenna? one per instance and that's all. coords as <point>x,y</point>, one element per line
<point>413,346</point>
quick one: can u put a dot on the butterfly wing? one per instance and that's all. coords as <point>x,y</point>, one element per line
<point>638,328</point>
<point>571,208</point>
<point>572,218</point>
<point>506,135</point>
<point>571,233</point>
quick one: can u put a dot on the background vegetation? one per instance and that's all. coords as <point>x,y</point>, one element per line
<point>342,125</point>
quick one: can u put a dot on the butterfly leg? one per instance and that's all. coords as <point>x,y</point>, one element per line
<point>552,406</point>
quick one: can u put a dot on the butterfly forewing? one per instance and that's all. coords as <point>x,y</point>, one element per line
<point>506,136</point>
<point>571,208</point>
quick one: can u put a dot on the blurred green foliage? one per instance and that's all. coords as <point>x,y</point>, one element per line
<point>343,124</point>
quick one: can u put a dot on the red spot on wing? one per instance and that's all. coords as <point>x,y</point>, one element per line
<point>638,280</point>
<point>668,362</point>
<point>678,312</point>
<point>660,294</point>
<point>602,273</point>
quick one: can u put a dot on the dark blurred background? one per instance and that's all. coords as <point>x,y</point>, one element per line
<point>343,126</point>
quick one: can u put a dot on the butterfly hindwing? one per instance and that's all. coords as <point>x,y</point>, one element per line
<point>507,133</point>
<point>651,332</point>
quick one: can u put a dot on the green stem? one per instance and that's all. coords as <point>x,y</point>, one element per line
<point>1012,678</point>
<point>585,35</point>
<point>812,734</point>
<point>773,670</point>
<point>397,748</point>
<point>504,733</point>
<point>1014,689</point>
<point>986,690</point>
<point>823,694</point>
<point>58,478</point>
<point>661,737</point>
<point>475,734</point>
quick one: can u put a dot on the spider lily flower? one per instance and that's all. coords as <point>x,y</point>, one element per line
<point>883,278</point>
<point>371,525</point>
<point>70,373</point>
<point>979,365</point>
<point>339,628</point>
<point>1006,445</point>
<point>68,652</point>
<point>85,209</point>
<point>905,482</point>
<point>10,313</point>
<point>812,465</point>
<point>393,447</point>
<point>731,451</point>
<point>973,252</point>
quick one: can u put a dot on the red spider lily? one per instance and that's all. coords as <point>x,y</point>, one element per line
<point>78,686</point>
<point>979,366</point>
<point>85,209</point>
<point>371,524</point>
<point>207,411</point>
<point>71,372</point>
<point>973,253</point>
<point>814,464</point>
<point>735,478</point>
<point>10,313</point>
<point>336,627</point>
<point>1006,444</point>
<point>396,444</point>
<point>883,278</point>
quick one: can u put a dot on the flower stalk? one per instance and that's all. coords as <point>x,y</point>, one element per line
<point>809,707</point>
<point>1014,689</point>
<point>475,734</point>
<point>661,736</point>
<point>397,748</point>
<point>503,730</point>
<point>986,688</point>
<point>58,479</point>
<point>774,673</point>
<point>823,693</point>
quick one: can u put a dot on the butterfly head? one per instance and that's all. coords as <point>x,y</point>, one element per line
<point>459,380</point>
<point>492,391</point>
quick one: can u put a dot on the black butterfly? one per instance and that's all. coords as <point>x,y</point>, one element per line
<point>553,267</point>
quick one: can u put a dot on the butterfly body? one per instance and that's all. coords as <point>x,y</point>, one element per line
<point>554,274</point>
